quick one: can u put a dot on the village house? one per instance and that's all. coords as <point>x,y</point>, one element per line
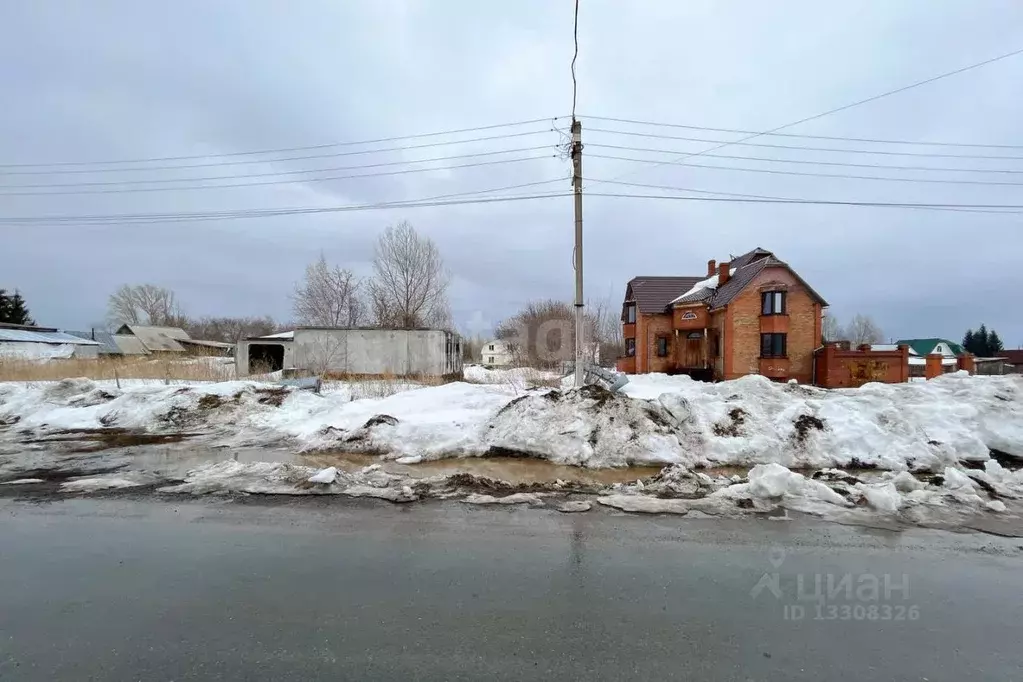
<point>752,315</point>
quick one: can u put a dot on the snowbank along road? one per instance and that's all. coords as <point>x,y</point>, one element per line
<point>941,451</point>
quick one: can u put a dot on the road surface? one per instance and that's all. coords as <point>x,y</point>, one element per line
<point>131,589</point>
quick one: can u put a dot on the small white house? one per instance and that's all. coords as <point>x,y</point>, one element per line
<point>496,353</point>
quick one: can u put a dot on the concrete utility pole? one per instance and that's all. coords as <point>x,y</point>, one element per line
<point>577,186</point>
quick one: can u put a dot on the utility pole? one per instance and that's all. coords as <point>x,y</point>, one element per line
<point>577,186</point>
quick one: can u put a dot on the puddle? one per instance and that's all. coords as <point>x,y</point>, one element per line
<point>513,469</point>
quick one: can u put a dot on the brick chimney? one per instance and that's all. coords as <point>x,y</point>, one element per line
<point>723,274</point>
<point>712,266</point>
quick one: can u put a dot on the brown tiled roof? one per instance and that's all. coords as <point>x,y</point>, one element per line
<point>1015,357</point>
<point>653,294</point>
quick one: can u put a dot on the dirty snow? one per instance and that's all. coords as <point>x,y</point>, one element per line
<point>655,419</point>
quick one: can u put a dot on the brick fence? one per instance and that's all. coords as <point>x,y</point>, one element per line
<point>838,367</point>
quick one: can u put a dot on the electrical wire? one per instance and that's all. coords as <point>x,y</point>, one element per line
<point>801,148</point>
<point>775,171</point>
<point>254,213</point>
<point>810,137</point>
<point>278,182</point>
<point>778,198</point>
<point>813,162</point>
<point>287,158</point>
<point>846,106</point>
<point>1011,209</point>
<point>280,149</point>
<point>274,173</point>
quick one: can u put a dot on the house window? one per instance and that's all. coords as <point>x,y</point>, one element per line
<point>772,303</point>
<point>772,345</point>
<point>630,313</point>
<point>490,360</point>
<point>491,347</point>
<point>630,347</point>
<point>662,346</point>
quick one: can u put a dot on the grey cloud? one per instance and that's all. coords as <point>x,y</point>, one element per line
<point>118,79</point>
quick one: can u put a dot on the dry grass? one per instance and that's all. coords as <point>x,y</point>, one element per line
<point>170,368</point>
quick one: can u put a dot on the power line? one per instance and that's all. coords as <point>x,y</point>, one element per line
<point>278,182</point>
<point>253,213</point>
<point>273,173</point>
<point>275,160</point>
<point>775,171</point>
<point>790,199</point>
<point>281,149</point>
<point>848,106</point>
<point>813,162</point>
<point>801,148</point>
<point>1011,209</point>
<point>811,137</point>
<point>164,218</point>
<point>330,209</point>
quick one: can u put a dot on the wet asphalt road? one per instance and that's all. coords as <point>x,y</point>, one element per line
<point>119,589</point>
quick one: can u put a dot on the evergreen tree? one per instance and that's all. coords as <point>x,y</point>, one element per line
<point>18,311</point>
<point>968,341</point>
<point>994,344</point>
<point>981,342</point>
<point>5,306</point>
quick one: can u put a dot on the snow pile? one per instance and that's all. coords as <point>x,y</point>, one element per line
<point>654,419</point>
<point>586,426</point>
<point>275,478</point>
<point>919,426</point>
<point>518,377</point>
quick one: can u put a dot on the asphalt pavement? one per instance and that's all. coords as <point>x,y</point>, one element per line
<point>331,589</point>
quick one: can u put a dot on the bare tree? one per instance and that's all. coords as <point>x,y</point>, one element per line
<point>230,329</point>
<point>832,330</point>
<point>606,320</point>
<point>146,304</point>
<point>324,355</point>
<point>409,285</point>
<point>542,334</point>
<point>863,329</point>
<point>328,297</point>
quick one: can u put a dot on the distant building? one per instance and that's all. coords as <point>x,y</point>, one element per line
<point>919,349</point>
<point>496,353</point>
<point>107,344</point>
<point>360,351</point>
<point>29,342</point>
<point>166,340</point>
<point>1014,359</point>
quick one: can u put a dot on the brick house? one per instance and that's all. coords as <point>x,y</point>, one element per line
<point>753,315</point>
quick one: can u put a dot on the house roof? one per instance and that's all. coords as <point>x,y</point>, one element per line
<point>47,335</point>
<point>205,344</point>
<point>655,294</point>
<point>156,338</point>
<point>652,294</point>
<point>925,346</point>
<point>107,345</point>
<point>1015,357</point>
<point>130,345</point>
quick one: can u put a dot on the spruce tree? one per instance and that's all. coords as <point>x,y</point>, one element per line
<point>981,342</point>
<point>968,341</point>
<point>19,311</point>
<point>994,344</point>
<point>5,306</point>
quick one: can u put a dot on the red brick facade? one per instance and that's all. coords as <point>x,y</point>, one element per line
<point>725,341</point>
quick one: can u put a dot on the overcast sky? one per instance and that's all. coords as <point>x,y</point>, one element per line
<point>125,79</point>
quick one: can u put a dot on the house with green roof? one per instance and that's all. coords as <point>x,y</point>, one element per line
<point>924,347</point>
